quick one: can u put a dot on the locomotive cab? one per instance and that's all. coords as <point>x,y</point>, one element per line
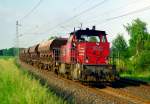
<point>87,53</point>
<point>92,47</point>
<point>87,47</point>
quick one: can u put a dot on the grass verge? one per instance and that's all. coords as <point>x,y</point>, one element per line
<point>21,88</point>
<point>144,75</point>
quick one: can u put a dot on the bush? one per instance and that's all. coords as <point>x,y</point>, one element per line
<point>143,60</point>
<point>147,45</point>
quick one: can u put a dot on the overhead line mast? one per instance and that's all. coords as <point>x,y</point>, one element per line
<point>17,39</point>
<point>17,25</point>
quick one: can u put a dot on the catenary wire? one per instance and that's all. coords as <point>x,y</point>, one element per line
<point>126,14</point>
<point>77,15</point>
<point>32,10</point>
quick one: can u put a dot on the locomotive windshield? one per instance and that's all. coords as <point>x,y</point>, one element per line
<point>90,35</point>
<point>91,38</point>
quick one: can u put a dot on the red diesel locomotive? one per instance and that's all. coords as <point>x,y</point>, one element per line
<point>83,56</point>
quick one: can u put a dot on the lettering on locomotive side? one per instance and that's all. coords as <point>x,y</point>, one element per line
<point>97,48</point>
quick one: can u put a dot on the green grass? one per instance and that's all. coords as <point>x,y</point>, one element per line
<point>127,69</point>
<point>20,88</point>
<point>6,57</point>
<point>140,75</point>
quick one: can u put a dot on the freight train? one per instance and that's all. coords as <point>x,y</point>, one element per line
<point>83,56</point>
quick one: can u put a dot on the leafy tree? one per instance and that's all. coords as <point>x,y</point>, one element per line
<point>1,52</point>
<point>143,60</point>
<point>8,52</point>
<point>119,45</point>
<point>139,44</point>
<point>147,43</point>
<point>138,33</point>
<point>5,52</point>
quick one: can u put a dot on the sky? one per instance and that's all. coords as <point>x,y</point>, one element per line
<point>54,18</point>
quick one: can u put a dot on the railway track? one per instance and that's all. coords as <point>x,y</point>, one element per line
<point>117,89</point>
<point>125,95</point>
<point>119,93</point>
<point>116,93</point>
<point>133,81</point>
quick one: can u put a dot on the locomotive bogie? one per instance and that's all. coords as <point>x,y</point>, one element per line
<point>98,73</point>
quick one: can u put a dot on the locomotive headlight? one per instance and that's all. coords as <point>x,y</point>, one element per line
<point>106,60</point>
<point>86,60</point>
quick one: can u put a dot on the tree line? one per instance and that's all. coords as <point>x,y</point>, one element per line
<point>134,54</point>
<point>8,52</point>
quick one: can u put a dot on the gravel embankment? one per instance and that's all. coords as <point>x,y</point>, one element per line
<point>75,91</point>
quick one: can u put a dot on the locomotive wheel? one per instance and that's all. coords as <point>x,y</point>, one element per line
<point>76,72</point>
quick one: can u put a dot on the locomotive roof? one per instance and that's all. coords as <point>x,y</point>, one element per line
<point>88,32</point>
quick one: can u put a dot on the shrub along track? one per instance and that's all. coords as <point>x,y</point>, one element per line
<point>81,94</point>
